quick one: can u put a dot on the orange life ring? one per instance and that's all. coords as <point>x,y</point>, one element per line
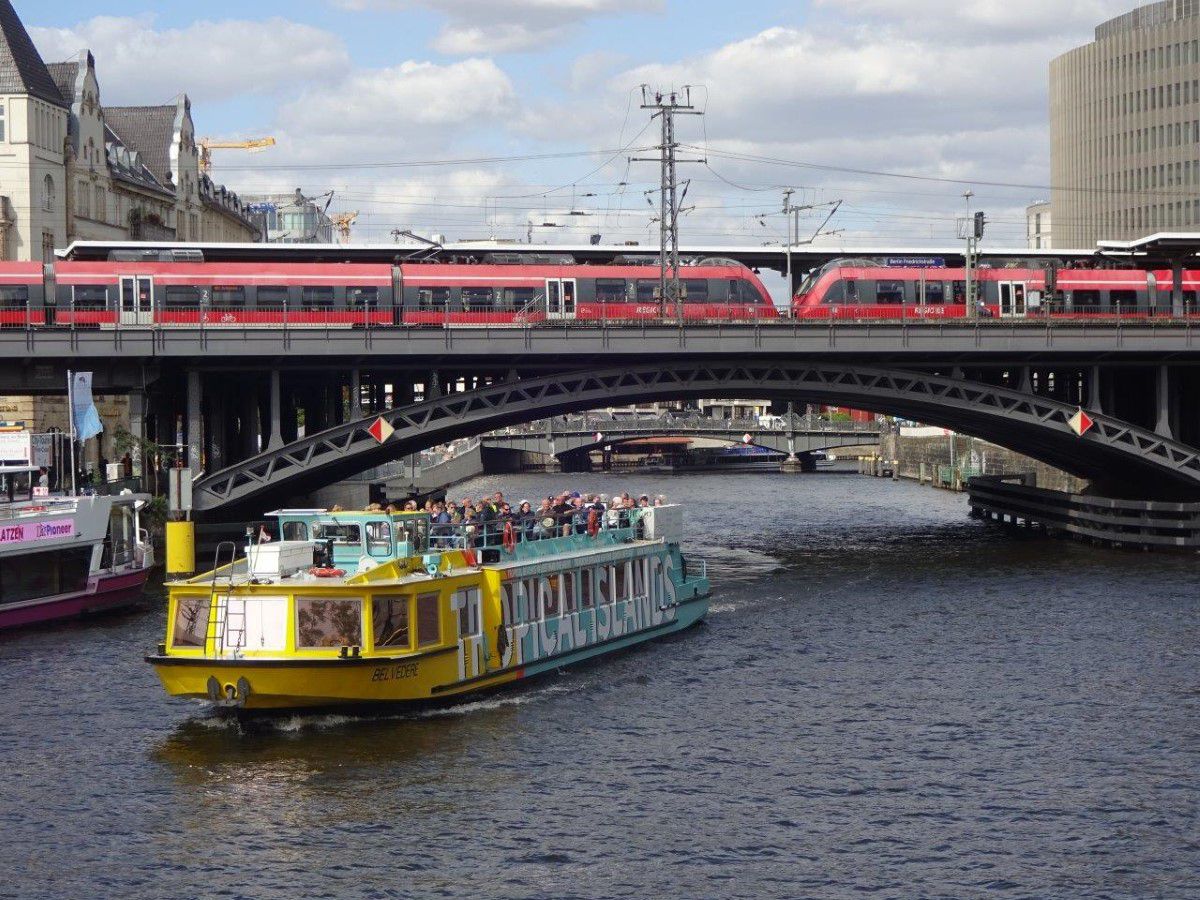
<point>469,556</point>
<point>510,537</point>
<point>593,525</point>
<point>326,572</point>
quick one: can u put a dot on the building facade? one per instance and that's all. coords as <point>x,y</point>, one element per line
<point>1125,128</point>
<point>1037,226</point>
<point>291,218</point>
<point>74,169</point>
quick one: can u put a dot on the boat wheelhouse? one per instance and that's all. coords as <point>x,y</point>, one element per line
<point>317,620</point>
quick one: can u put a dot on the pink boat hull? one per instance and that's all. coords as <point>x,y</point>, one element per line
<point>105,593</point>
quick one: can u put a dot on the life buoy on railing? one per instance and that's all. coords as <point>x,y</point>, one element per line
<point>469,556</point>
<point>593,525</point>
<point>510,537</point>
<point>326,572</point>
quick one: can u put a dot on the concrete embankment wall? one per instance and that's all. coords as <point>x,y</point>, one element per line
<point>971,456</point>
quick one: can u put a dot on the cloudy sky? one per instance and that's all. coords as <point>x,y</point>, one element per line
<point>478,117</point>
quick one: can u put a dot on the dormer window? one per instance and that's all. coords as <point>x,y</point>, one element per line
<point>3,135</point>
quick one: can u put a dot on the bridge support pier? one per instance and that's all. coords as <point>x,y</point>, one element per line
<point>195,421</point>
<point>1162,426</point>
<point>275,439</point>
<point>248,424</point>
<point>1095,399</point>
<point>356,410</point>
<point>137,427</point>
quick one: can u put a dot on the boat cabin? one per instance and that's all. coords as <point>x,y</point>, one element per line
<point>355,539</point>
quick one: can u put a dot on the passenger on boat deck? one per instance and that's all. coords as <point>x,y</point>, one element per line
<point>643,501</point>
<point>43,477</point>
<point>660,499</point>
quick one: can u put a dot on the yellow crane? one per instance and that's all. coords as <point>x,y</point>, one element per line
<point>207,145</point>
<point>342,222</point>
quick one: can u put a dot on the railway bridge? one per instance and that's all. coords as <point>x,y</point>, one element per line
<point>270,413</point>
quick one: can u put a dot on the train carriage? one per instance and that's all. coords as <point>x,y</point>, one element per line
<point>23,294</point>
<point>864,289</point>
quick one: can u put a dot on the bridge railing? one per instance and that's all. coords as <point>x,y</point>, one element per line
<point>659,423</point>
<point>533,316</point>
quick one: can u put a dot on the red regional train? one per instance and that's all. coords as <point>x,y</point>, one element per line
<point>107,293</point>
<point>852,289</point>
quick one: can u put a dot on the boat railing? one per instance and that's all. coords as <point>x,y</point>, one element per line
<point>527,529</point>
<point>38,507</point>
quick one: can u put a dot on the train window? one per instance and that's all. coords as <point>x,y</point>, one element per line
<point>960,292</point>
<point>14,296</point>
<point>610,290</point>
<point>362,297</point>
<point>89,296</point>
<point>429,297</point>
<point>224,297</point>
<point>272,297</point>
<point>182,297</point>
<point>517,298</point>
<point>889,292</point>
<point>476,297</point>
<point>647,291</point>
<point>851,290</point>
<point>316,298</point>
<point>1189,301</point>
<point>1085,298</point>
<point>1124,298</point>
<point>935,292</point>
<point>695,290</point>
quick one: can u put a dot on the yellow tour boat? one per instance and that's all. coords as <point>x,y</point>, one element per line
<point>361,609</point>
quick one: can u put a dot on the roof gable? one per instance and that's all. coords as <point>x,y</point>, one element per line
<point>22,70</point>
<point>150,130</point>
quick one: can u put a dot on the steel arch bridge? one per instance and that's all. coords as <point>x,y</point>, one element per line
<point>1116,456</point>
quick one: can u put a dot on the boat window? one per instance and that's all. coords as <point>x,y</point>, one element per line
<point>315,299</point>
<point>328,622</point>
<point>508,604</point>
<point>389,617</point>
<point>14,296</point>
<point>639,577</point>
<point>338,532</point>
<point>429,620</point>
<point>295,531</point>
<point>550,604</point>
<point>610,290</point>
<point>622,581</point>
<point>89,296</point>
<point>362,297</point>
<point>585,588</point>
<point>226,297</point>
<point>603,581</point>
<point>191,622</point>
<point>530,611</point>
<point>255,623</point>
<point>379,538</point>
<point>468,612</point>
<point>31,576</point>
<point>569,605</point>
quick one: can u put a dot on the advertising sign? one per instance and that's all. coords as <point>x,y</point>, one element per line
<point>37,531</point>
<point>15,450</point>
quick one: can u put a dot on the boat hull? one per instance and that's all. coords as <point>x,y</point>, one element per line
<point>104,593</point>
<point>294,685</point>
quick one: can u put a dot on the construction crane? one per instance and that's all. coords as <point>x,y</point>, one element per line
<point>342,222</point>
<point>207,145</point>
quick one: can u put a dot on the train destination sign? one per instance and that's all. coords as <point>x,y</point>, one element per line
<point>915,262</point>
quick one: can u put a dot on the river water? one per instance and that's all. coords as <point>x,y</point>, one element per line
<point>887,698</point>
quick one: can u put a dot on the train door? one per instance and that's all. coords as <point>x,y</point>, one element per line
<point>560,298</point>
<point>1012,300</point>
<point>137,300</point>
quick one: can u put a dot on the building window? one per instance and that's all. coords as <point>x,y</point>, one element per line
<point>2,122</point>
<point>48,194</point>
<point>101,207</point>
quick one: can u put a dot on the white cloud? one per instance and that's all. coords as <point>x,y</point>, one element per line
<point>210,60</point>
<point>507,26</point>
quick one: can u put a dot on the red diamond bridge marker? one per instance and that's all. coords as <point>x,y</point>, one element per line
<point>381,430</point>
<point>1081,423</point>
